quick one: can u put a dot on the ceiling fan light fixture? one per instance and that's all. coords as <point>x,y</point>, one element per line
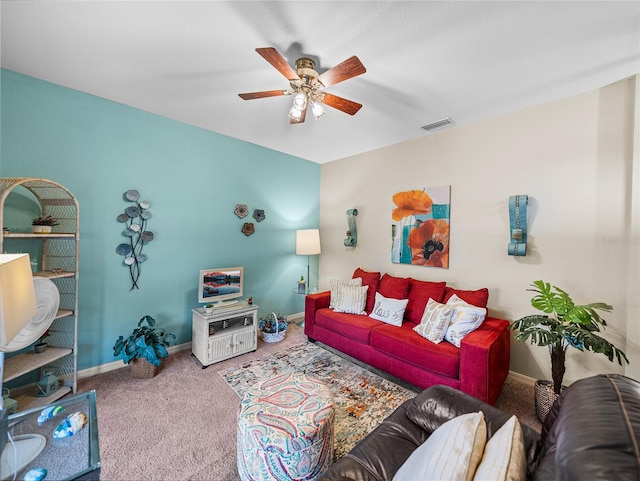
<point>295,114</point>
<point>317,109</point>
<point>300,101</point>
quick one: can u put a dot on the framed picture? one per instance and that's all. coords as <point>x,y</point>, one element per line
<point>420,227</point>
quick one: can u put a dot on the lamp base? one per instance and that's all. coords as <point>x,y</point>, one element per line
<point>14,459</point>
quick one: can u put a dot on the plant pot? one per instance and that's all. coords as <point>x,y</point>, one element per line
<point>143,369</point>
<point>40,347</point>
<point>544,397</point>
<point>41,229</point>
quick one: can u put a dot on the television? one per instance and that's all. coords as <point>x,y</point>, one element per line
<point>220,286</point>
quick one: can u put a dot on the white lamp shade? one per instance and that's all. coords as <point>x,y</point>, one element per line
<point>17,295</point>
<point>308,242</point>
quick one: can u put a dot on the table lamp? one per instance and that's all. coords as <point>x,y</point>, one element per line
<point>19,306</point>
<point>308,244</point>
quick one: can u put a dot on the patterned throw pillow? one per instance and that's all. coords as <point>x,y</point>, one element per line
<point>466,318</point>
<point>435,321</point>
<point>335,293</point>
<point>387,310</point>
<point>453,451</point>
<point>504,456</point>
<point>351,299</point>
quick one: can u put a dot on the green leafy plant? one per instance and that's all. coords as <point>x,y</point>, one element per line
<point>44,220</point>
<point>565,324</point>
<point>145,342</point>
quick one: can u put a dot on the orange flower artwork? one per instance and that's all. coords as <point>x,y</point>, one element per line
<point>420,227</point>
<point>412,202</point>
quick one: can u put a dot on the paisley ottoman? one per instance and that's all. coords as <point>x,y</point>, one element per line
<point>285,429</point>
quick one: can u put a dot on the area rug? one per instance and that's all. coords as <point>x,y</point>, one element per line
<point>362,399</point>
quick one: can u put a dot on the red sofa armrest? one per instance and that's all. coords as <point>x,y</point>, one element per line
<point>312,303</point>
<point>484,360</point>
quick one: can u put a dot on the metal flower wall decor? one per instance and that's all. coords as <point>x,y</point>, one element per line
<point>242,211</point>
<point>135,219</point>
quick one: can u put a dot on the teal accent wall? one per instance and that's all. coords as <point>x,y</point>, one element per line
<point>193,179</point>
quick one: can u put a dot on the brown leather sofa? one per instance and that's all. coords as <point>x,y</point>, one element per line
<point>591,433</point>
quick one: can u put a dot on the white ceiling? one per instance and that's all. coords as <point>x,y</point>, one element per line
<point>425,61</point>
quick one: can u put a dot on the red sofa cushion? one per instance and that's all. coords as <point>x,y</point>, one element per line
<point>405,344</point>
<point>354,327</point>
<point>478,298</point>
<point>394,287</point>
<point>370,279</point>
<point>419,294</point>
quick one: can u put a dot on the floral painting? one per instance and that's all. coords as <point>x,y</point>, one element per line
<point>420,227</point>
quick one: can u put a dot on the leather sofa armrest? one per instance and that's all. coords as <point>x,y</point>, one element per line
<point>313,303</point>
<point>484,359</point>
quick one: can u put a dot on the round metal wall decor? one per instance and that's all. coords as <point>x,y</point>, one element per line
<point>135,218</point>
<point>248,228</point>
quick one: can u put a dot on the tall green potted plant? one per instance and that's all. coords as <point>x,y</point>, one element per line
<point>564,324</point>
<point>145,348</point>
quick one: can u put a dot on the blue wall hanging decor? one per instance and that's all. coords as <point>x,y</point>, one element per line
<point>135,218</point>
<point>518,225</point>
<point>352,233</point>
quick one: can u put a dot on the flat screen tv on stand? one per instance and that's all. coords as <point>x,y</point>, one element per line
<point>220,287</point>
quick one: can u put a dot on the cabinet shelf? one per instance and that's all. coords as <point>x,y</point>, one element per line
<point>54,274</point>
<point>28,401</point>
<point>26,362</point>
<point>31,235</point>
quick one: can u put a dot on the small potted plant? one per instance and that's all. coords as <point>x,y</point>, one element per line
<point>208,308</point>
<point>145,348</point>
<point>43,224</point>
<point>563,324</point>
<point>41,345</point>
<point>273,327</point>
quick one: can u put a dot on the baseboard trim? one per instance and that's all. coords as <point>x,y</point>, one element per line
<point>296,318</point>
<point>112,366</point>
<point>521,378</point>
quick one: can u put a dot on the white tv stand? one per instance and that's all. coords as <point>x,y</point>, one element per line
<point>226,332</point>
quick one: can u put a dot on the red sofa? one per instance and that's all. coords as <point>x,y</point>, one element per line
<point>479,367</point>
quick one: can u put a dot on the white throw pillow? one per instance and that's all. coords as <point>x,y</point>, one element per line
<point>504,456</point>
<point>351,299</point>
<point>389,310</point>
<point>335,283</point>
<point>435,320</point>
<point>466,318</point>
<point>452,452</point>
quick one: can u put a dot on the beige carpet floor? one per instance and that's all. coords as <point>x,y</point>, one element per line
<point>180,425</point>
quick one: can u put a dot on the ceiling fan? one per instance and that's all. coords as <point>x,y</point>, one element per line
<point>308,86</point>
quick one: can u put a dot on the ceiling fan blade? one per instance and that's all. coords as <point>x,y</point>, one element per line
<point>259,95</point>
<point>347,106</point>
<point>350,68</point>
<point>272,56</point>
<point>302,117</point>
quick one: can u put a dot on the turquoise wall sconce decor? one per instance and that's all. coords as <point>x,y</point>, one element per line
<point>352,233</point>
<point>518,225</point>
<point>135,219</point>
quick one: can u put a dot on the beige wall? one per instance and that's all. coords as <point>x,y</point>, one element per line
<point>574,158</point>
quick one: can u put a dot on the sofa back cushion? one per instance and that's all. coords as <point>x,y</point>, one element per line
<point>371,279</point>
<point>593,431</point>
<point>394,287</point>
<point>419,294</point>
<point>478,298</point>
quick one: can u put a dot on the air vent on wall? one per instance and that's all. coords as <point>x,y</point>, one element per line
<point>438,124</point>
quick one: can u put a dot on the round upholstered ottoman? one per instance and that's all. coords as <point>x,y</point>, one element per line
<point>285,429</point>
